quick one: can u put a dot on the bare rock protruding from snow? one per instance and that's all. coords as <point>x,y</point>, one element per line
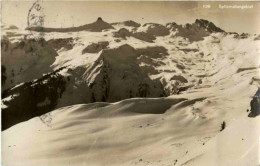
<point>57,44</point>
<point>3,75</point>
<point>128,23</point>
<point>97,26</point>
<point>179,78</point>
<point>195,31</point>
<point>144,36</point>
<point>208,26</point>
<point>155,29</point>
<point>95,47</point>
<point>154,52</point>
<point>148,32</point>
<point>255,105</point>
<point>123,33</point>
<point>257,37</point>
<point>241,36</point>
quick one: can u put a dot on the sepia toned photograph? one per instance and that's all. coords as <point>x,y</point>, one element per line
<point>130,83</point>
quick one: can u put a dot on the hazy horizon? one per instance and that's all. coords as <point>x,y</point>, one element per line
<point>74,13</point>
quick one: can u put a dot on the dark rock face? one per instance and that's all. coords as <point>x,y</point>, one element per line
<point>195,31</point>
<point>179,78</point>
<point>5,44</point>
<point>157,29</point>
<point>32,99</point>
<point>57,44</point>
<point>154,52</point>
<point>241,36</point>
<point>257,37</point>
<point>95,47</point>
<point>3,74</point>
<point>144,36</point>
<point>153,30</point>
<point>209,26</point>
<point>143,90</point>
<point>99,19</point>
<point>131,23</point>
<point>255,105</point>
<point>123,33</point>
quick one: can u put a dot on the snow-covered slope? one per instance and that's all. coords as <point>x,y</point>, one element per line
<point>157,95</point>
<point>174,130</point>
<point>237,145</point>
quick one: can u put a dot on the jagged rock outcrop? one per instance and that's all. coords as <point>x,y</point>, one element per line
<point>208,26</point>
<point>57,44</point>
<point>123,33</point>
<point>241,36</point>
<point>155,29</point>
<point>147,32</point>
<point>95,47</point>
<point>195,31</point>
<point>257,37</point>
<point>255,105</point>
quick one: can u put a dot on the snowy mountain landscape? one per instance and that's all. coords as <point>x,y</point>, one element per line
<point>124,93</point>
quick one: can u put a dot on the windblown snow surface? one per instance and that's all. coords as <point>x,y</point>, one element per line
<point>130,95</point>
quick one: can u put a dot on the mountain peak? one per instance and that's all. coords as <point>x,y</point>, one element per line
<point>207,25</point>
<point>99,19</point>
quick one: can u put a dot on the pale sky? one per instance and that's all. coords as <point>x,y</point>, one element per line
<point>71,13</point>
